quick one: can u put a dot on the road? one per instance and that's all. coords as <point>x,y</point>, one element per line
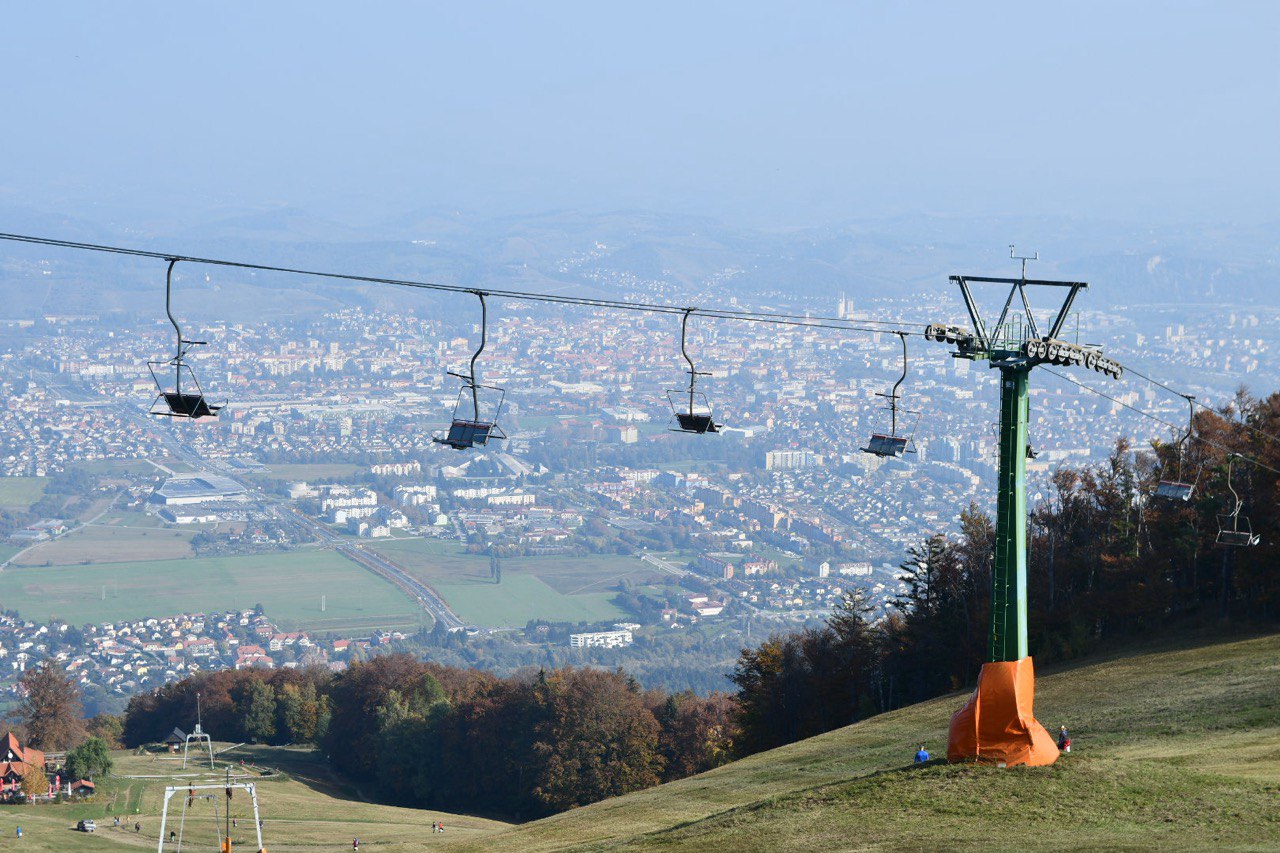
<point>664,565</point>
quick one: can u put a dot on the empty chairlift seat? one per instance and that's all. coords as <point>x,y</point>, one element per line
<point>464,434</point>
<point>886,445</point>
<point>475,431</point>
<point>179,400</point>
<point>695,423</point>
<point>1174,491</point>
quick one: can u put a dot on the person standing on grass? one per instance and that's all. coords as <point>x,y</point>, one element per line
<point>922,756</point>
<point>1064,740</point>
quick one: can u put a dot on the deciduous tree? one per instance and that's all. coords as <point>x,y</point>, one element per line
<point>51,713</point>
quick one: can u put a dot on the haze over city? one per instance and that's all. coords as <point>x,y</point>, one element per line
<point>564,425</point>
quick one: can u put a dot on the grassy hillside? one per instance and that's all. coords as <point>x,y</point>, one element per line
<point>1177,748</point>
<point>304,807</point>
<point>1174,749</point>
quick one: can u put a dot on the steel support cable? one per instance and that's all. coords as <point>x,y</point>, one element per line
<point>1268,436</point>
<point>1160,420</point>
<point>592,302</point>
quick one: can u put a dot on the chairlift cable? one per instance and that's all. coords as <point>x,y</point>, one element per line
<point>1161,420</point>
<point>595,302</point>
<point>771,317</point>
<point>1129,369</point>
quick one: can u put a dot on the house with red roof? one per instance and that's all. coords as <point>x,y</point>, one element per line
<point>17,762</point>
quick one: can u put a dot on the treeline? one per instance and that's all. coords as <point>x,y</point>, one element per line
<point>422,734</point>
<point>1108,561</point>
<point>275,706</point>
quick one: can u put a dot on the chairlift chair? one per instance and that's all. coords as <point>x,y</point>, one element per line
<point>691,408</point>
<point>1234,529</point>
<point>1176,489</point>
<point>179,401</point>
<point>894,444</point>
<point>474,431</point>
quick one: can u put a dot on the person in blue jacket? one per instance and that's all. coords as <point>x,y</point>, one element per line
<point>922,756</point>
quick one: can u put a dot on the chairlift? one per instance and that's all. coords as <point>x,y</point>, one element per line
<point>1233,528</point>
<point>474,431</point>
<point>179,401</point>
<point>691,408</point>
<point>1175,489</point>
<point>893,443</point>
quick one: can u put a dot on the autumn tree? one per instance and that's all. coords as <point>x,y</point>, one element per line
<point>51,713</point>
<point>596,739</point>
<point>35,783</point>
<point>108,727</point>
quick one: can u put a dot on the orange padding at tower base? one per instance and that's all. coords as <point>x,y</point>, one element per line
<point>998,723</point>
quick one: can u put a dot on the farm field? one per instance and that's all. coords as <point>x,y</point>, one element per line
<point>20,492</point>
<point>106,543</point>
<point>288,586</point>
<point>559,589</point>
<point>305,807</point>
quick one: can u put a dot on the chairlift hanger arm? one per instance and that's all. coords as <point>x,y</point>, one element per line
<point>484,326</point>
<point>684,332</point>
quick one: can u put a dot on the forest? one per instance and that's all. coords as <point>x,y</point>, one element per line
<point>423,734</point>
<point>1108,563</point>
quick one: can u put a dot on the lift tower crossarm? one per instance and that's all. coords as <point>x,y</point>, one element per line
<point>1017,287</point>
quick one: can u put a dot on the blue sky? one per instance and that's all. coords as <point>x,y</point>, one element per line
<point>761,113</point>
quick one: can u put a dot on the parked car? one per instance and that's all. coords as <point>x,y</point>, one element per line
<point>86,826</point>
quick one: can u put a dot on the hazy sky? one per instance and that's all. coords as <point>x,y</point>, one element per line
<point>764,113</point>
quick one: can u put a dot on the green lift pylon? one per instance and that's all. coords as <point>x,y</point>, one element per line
<point>1008,639</point>
<point>1003,729</point>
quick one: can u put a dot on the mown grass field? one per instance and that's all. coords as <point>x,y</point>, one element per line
<point>108,543</point>
<point>306,809</point>
<point>559,589</point>
<point>1175,749</point>
<point>20,492</point>
<point>288,585</point>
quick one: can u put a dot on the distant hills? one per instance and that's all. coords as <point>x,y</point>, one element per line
<point>571,252</point>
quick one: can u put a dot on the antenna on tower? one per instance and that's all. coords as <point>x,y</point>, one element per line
<point>1024,259</point>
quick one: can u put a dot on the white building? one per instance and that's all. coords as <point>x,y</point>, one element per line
<point>601,639</point>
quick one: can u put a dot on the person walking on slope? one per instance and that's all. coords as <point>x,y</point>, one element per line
<point>922,756</point>
<point>1064,740</point>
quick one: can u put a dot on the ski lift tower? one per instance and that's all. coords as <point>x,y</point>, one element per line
<point>998,725</point>
<point>199,735</point>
